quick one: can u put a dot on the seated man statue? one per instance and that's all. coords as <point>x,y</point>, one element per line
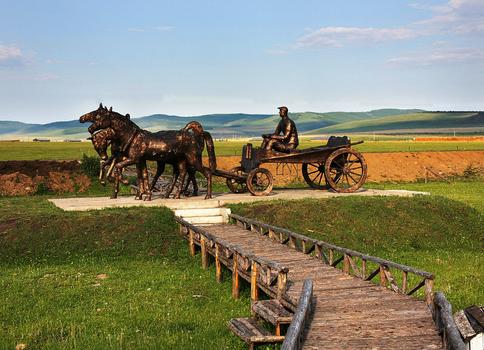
<point>284,139</point>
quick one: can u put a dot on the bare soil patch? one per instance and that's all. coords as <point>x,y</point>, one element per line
<point>27,177</point>
<point>396,166</point>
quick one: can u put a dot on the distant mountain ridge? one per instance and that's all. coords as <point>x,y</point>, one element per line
<point>249,125</point>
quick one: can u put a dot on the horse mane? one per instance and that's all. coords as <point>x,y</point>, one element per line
<point>124,120</point>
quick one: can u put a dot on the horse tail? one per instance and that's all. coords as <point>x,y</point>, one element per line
<point>210,150</point>
<point>198,131</point>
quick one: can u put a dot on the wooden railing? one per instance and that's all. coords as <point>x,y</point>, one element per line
<point>444,321</point>
<point>350,261</point>
<point>269,276</point>
<point>295,333</point>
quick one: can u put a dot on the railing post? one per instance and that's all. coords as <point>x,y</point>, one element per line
<point>429,293</point>
<point>292,242</point>
<point>218,266</point>
<point>281,284</point>
<point>346,263</point>
<point>235,278</point>
<point>404,282</point>
<point>203,250</point>
<point>254,290</point>
<point>363,268</point>
<point>191,242</point>
<point>383,277</point>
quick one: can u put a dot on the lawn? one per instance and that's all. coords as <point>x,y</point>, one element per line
<point>75,150</point>
<point>432,233</point>
<point>112,279</point>
<point>123,278</point>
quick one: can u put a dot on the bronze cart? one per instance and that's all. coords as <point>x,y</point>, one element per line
<point>335,166</point>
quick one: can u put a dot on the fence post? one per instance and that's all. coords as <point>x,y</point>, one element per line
<point>235,278</point>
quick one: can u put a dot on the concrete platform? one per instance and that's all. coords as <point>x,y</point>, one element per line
<point>218,200</point>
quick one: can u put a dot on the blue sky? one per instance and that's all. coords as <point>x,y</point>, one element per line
<point>59,59</point>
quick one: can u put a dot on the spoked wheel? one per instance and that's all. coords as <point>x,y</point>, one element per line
<point>345,170</point>
<point>313,174</point>
<point>234,185</point>
<point>260,182</point>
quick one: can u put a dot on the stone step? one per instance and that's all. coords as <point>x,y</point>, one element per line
<point>252,332</point>
<point>204,220</point>
<point>272,311</point>
<point>188,213</point>
<point>204,216</point>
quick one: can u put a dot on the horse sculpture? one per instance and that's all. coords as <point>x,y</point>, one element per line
<point>181,148</point>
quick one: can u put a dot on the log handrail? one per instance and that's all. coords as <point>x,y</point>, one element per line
<point>236,248</point>
<point>445,323</point>
<point>309,245</point>
<point>295,333</point>
<point>271,275</point>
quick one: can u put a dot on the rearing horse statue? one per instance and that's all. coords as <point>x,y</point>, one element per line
<point>183,148</point>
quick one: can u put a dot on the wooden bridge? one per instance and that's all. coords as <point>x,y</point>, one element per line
<point>340,307</point>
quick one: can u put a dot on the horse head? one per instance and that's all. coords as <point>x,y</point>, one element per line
<point>93,116</point>
<point>101,140</point>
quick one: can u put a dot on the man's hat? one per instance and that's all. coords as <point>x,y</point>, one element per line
<point>283,107</point>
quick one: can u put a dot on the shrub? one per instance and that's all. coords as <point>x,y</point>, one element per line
<point>90,165</point>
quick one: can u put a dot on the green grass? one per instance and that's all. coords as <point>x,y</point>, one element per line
<point>154,296</point>
<point>65,150</point>
<point>157,296</point>
<point>470,192</point>
<point>426,120</point>
<point>432,233</point>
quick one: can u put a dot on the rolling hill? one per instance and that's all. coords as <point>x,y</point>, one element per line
<point>413,121</point>
<point>249,125</point>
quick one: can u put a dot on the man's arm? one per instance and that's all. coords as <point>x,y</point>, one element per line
<point>286,132</point>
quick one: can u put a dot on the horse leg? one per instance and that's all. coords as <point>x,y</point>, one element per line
<point>116,185</point>
<point>208,175</point>
<point>192,178</point>
<point>139,175</point>
<point>176,173</point>
<point>146,186</point>
<point>160,169</point>
<point>182,167</point>
<point>119,171</point>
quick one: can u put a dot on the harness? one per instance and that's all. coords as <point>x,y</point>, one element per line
<point>126,146</point>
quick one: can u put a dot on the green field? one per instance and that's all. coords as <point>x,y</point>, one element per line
<point>54,294</point>
<point>123,278</point>
<point>66,150</point>
<point>432,233</point>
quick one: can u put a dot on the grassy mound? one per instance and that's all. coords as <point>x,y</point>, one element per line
<point>106,279</point>
<point>428,232</point>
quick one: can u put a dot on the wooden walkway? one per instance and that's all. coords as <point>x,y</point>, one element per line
<point>350,312</point>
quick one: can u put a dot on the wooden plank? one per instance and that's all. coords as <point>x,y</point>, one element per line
<point>463,325</point>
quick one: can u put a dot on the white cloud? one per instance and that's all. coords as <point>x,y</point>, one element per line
<point>460,17</point>
<point>45,77</point>
<point>150,29</point>
<point>10,54</point>
<point>439,56</point>
<point>338,36</point>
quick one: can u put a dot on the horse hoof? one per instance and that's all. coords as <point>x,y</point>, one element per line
<point>114,196</point>
<point>208,197</point>
<point>137,198</point>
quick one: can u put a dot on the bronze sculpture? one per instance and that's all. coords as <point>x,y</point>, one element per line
<point>288,140</point>
<point>182,148</point>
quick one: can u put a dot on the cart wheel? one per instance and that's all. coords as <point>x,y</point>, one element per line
<point>259,182</point>
<point>234,185</point>
<point>313,174</point>
<point>345,170</point>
